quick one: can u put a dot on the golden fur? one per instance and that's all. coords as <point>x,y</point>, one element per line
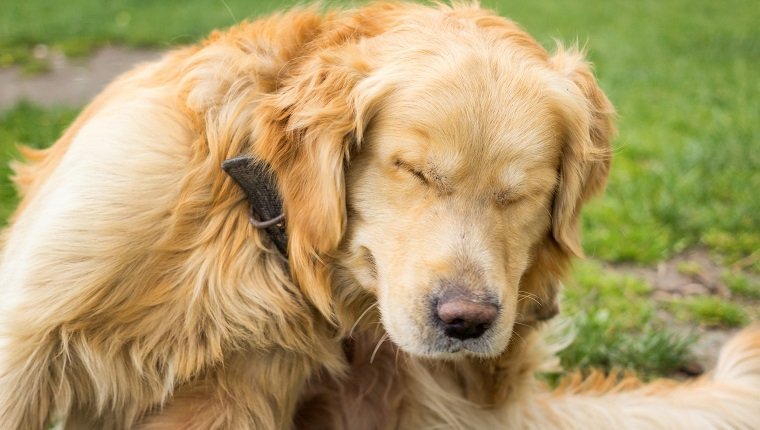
<point>412,145</point>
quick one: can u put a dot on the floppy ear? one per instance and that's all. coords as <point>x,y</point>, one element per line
<point>305,131</point>
<point>589,127</point>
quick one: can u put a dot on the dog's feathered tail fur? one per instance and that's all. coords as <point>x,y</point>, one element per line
<point>727,398</point>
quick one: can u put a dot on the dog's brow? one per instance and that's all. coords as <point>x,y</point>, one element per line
<point>512,179</point>
<point>421,132</point>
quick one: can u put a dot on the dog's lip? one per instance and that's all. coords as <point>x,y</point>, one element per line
<point>456,352</point>
<point>475,347</point>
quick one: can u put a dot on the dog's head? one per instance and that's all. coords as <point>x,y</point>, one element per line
<point>441,165</point>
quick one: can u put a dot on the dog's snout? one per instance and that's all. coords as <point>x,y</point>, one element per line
<point>465,317</point>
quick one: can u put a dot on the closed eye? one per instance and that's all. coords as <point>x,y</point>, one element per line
<point>507,197</point>
<point>415,172</point>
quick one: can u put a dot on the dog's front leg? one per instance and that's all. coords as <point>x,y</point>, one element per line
<point>252,390</point>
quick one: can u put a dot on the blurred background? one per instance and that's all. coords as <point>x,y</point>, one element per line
<point>673,245</point>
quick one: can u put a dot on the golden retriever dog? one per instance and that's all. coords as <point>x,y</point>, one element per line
<point>431,162</point>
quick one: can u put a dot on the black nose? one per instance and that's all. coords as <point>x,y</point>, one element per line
<point>465,317</point>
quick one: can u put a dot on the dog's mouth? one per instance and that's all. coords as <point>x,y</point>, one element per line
<point>445,347</point>
<point>447,338</point>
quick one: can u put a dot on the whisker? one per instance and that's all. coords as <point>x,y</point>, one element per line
<point>229,10</point>
<point>356,323</point>
<point>527,295</point>
<point>521,323</point>
<point>382,339</point>
<point>396,359</point>
<point>518,335</point>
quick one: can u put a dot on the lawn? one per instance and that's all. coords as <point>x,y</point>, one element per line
<point>686,173</point>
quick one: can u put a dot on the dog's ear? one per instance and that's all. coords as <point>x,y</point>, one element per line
<point>306,131</point>
<point>588,118</point>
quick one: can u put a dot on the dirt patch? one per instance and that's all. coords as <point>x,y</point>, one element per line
<point>69,82</point>
<point>691,273</point>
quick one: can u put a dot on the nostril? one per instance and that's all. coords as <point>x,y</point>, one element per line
<point>462,318</point>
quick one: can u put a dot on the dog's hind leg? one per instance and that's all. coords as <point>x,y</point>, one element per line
<point>728,398</point>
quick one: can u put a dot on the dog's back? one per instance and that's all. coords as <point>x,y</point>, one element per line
<point>122,273</point>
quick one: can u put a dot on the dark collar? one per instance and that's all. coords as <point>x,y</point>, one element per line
<point>265,212</point>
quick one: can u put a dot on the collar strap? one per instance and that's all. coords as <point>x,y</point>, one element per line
<point>257,180</point>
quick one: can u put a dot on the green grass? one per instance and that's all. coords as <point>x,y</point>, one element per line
<point>710,311</point>
<point>31,126</point>
<point>617,327</point>
<point>78,26</point>
<point>594,289</point>
<point>742,285</point>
